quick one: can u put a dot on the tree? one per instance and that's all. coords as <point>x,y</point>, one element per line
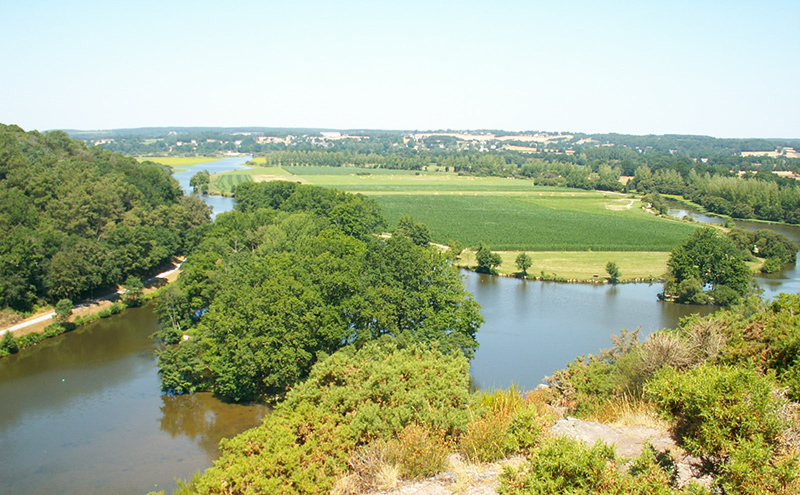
<point>200,182</point>
<point>524,262</point>
<point>613,272</point>
<point>134,290</point>
<point>706,261</point>
<point>63,311</point>
<point>487,260</point>
<point>415,231</point>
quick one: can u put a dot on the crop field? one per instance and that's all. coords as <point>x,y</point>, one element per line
<point>178,161</point>
<point>383,180</point>
<point>576,221</point>
<point>312,170</point>
<point>507,214</point>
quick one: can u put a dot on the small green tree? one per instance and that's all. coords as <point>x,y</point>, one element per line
<point>63,311</point>
<point>613,272</point>
<point>456,248</point>
<point>200,182</point>
<point>415,231</point>
<point>524,262</point>
<point>134,291</point>
<point>487,260</point>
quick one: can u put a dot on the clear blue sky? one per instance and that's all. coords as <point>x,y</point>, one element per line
<point>721,68</point>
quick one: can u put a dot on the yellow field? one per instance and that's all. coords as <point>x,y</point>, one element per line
<point>178,161</point>
<point>582,265</point>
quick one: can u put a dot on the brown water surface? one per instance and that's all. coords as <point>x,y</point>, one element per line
<point>83,413</point>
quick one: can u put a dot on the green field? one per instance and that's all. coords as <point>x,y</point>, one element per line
<point>507,214</point>
<point>574,221</point>
<point>178,161</point>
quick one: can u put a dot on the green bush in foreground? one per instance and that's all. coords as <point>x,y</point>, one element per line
<point>716,407</point>
<point>730,418</point>
<point>563,465</point>
<point>350,399</point>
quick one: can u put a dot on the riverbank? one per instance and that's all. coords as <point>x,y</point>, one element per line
<point>88,311</point>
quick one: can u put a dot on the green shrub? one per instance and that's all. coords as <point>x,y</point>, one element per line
<point>771,265</point>
<point>753,469</point>
<point>350,399</point>
<point>9,344</point>
<point>563,465</point>
<point>52,330</point>
<point>717,407</point>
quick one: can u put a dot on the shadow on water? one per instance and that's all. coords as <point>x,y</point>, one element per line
<point>206,420</point>
<point>83,413</point>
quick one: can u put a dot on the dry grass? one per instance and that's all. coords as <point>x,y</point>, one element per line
<point>371,469</point>
<point>628,411</point>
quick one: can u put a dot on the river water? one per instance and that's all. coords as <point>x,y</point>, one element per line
<point>787,280</point>
<point>82,413</point>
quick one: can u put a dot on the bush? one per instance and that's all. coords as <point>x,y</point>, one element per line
<point>487,438</point>
<point>419,452</point>
<point>350,399</point>
<point>564,465</point>
<point>771,265</point>
<point>753,469</point>
<point>717,407</point>
<point>9,344</point>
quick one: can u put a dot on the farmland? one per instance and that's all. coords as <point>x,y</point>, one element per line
<point>178,161</point>
<point>507,214</point>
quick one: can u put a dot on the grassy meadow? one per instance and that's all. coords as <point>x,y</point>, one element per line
<point>581,265</point>
<point>568,232</point>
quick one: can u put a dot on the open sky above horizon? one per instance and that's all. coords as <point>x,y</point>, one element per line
<point>719,68</point>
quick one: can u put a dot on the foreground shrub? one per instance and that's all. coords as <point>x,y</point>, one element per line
<point>506,423</point>
<point>716,407</point>
<point>487,438</point>
<point>753,469</point>
<point>419,452</point>
<point>564,465</point>
<point>351,399</point>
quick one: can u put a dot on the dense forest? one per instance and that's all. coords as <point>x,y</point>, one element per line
<point>75,218</point>
<point>292,275</point>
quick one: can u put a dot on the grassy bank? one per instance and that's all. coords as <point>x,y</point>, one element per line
<point>582,266</point>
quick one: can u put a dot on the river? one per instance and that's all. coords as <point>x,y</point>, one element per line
<point>83,413</point>
<point>786,280</point>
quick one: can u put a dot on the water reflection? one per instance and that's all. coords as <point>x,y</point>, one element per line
<point>206,420</point>
<point>83,413</point>
<point>533,328</point>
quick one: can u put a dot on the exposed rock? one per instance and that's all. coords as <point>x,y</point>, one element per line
<point>628,440</point>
